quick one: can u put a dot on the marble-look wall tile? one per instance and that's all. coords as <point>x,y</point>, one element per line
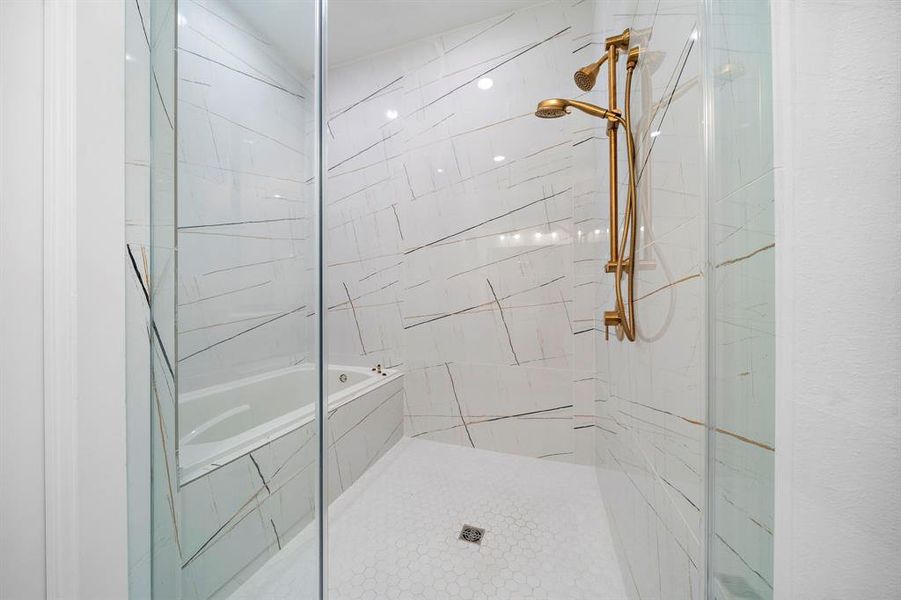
<point>245,237</point>
<point>361,431</point>
<point>649,405</point>
<point>246,270</point>
<point>451,230</point>
<point>651,410</point>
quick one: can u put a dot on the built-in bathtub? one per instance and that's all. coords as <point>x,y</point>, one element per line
<point>223,422</point>
<point>248,458</point>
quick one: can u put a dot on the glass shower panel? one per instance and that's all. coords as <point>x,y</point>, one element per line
<point>741,301</point>
<point>159,21</point>
<point>459,323</point>
<point>247,321</point>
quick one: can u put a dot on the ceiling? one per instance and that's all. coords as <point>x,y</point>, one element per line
<point>361,27</point>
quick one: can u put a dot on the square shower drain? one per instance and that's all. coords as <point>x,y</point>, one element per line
<point>472,534</point>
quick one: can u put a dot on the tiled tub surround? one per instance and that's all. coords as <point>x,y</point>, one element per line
<point>226,421</point>
<point>450,228</point>
<point>239,514</point>
<point>245,243</point>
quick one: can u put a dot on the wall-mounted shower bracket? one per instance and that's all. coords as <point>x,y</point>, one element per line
<point>612,319</point>
<point>619,41</point>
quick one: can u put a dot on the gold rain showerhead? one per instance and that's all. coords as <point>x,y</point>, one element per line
<point>586,77</point>
<point>557,107</point>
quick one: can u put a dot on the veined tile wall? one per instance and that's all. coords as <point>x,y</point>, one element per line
<point>443,261</point>
<point>237,517</point>
<point>650,403</point>
<point>436,265</point>
<point>451,229</point>
<point>245,280</point>
<point>244,196</point>
<point>652,398</point>
<point>245,237</point>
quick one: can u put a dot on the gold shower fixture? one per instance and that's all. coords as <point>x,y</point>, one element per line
<point>556,107</point>
<point>622,251</point>
<point>587,76</point>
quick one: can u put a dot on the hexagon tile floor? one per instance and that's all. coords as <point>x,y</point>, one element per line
<point>394,533</point>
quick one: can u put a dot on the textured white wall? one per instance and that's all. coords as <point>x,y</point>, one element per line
<point>838,407</point>
<point>21,314</point>
<point>62,457</point>
<point>100,237</point>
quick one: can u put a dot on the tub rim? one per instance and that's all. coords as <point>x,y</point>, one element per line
<point>272,430</point>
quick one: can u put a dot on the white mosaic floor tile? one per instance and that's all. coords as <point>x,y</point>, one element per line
<point>394,533</point>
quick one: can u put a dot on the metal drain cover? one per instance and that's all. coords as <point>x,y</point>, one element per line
<point>472,534</point>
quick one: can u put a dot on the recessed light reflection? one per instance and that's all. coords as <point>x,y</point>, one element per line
<point>503,237</point>
<point>655,133</point>
<point>391,113</point>
<point>182,21</point>
<point>129,57</point>
<point>500,158</point>
<point>516,236</point>
<point>694,34</point>
<point>485,83</point>
<point>597,232</point>
<point>554,235</point>
<point>537,235</point>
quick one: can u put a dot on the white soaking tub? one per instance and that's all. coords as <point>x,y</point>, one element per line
<point>220,423</point>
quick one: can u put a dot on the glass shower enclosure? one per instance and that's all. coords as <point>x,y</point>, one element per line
<point>366,337</point>
<point>224,240</point>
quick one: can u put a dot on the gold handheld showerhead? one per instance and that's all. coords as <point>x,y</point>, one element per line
<point>557,107</point>
<point>586,77</point>
<point>551,109</point>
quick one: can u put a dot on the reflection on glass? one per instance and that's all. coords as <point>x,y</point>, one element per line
<point>247,325</point>
<point>742,315</point>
